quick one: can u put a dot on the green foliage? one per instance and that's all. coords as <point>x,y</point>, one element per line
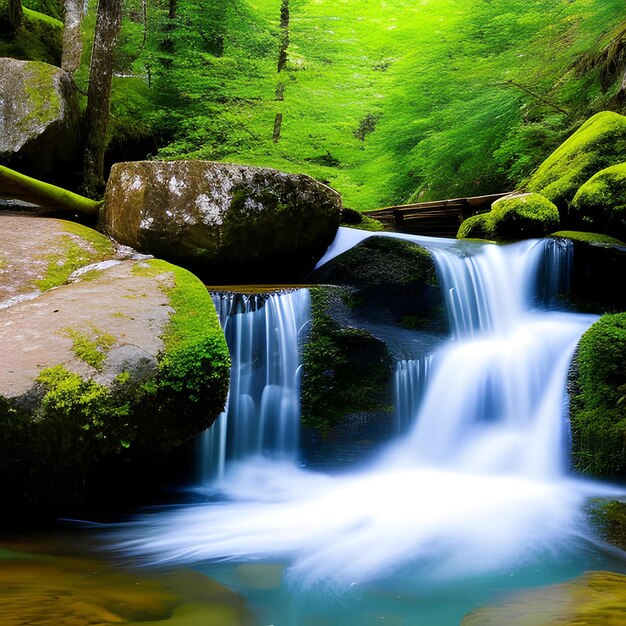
<point>597,144</point>
<point>345,370</point>
<point>40,37</point>
<point>80,247</point>
<point>601,202</point>
<point>598,401</point>
<point>91,348</point>
<point>595,238</point>
<point>513,217</point>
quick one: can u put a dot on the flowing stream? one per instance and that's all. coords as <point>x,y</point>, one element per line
<point>473,492</point>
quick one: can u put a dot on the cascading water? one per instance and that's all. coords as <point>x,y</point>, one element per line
<point>262,416</point>
<point>477,483</point>
<point>408,388</point>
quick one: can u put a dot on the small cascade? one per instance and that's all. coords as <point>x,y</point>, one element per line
<point>408,389</point>
<point>263,409</point>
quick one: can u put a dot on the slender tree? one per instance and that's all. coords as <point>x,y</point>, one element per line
<point>108,23</point>
<point>282,61</point>
<point>72,36</point>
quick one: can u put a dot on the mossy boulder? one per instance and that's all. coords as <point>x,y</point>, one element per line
<point>390,279</point>
<point>351,218</point>
<point>599,143</point>
<point>38,38</point>
<point>115,366</point>
<point>38,119</point>
<point>346,370</point>
<point>600,204</point>
<point>518,216</point>
<point>598,399</point>
<point>597,261</point>
<point>227,222</point>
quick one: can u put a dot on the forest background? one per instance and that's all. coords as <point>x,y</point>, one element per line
<point>387,101</point>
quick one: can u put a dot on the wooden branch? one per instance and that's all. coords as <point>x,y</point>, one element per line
<point>536,96</point>
<point>16,186</point>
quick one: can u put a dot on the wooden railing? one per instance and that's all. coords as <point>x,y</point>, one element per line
<point>440,218</point>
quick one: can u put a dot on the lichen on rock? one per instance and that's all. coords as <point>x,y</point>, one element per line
<point>227,222</point>
<point>38,119</point>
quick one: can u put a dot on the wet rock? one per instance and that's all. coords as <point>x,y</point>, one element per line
<point>116,364</point>
<point>594,598</point>
<point>38,119</point>
<point>225,222</point>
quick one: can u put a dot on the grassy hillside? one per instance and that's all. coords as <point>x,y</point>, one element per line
<point>386,100</point>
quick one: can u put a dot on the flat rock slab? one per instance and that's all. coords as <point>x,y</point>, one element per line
<point>131,311</point>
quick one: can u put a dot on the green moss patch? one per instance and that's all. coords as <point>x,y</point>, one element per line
<point>346,370</point>
<point>40,38</point>
<point>514,217</point>
<point>92,347</point>
<point>598,399</point>
<point>601,202</point>
<point>355,219</point>
<point>81,246</point>
<point>598,143</point>
<point>593,238</point>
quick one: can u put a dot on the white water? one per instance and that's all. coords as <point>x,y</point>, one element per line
<point>478,484</point>
<point>262,416</point>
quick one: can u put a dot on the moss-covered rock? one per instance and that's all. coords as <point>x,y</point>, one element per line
<point>597,261</point>
<point>346,370</point>
<point>120,365</point>
<point>593,598</point>
<point>355,219</point>
<point>598,399</point>
<point>390,278</point>
<point>608,519</point>
<point>600,203</point>
<point>518,216</point>
<point>598,143</point>
<point>39,38</point>
<point>235,222</point>
<point>38,119</point>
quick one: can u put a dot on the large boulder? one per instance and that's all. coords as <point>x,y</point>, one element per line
<point>598,399</point>
<point>598,143</point>
<point>518,216</point>
<point>39,119</point>
<point>117,363</point>
<point>600,203</point>
<point>225,222</point>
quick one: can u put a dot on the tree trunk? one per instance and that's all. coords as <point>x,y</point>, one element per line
<point>108,24</point>
<point>72,36</point>
<point>282,61</point>
<point>172,10</point>
<point>14,10</point>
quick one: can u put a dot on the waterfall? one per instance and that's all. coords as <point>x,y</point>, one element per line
<point>475,483</point>
<point>263,408</point>
<point>408,388</point>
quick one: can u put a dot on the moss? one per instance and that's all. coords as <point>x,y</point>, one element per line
<point>81,246</point>
<point>609,519</point>
<point>193,370</point>
<point>91,348</point>
<point>598,399</point>
<point>598,143</point>
<point>16,185</point>
<point>592,238</point>
<point>601,202</point>
<point>513,217</point>
<point>40,38</point>
<point>355,219</point>
<point>345,370</point>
